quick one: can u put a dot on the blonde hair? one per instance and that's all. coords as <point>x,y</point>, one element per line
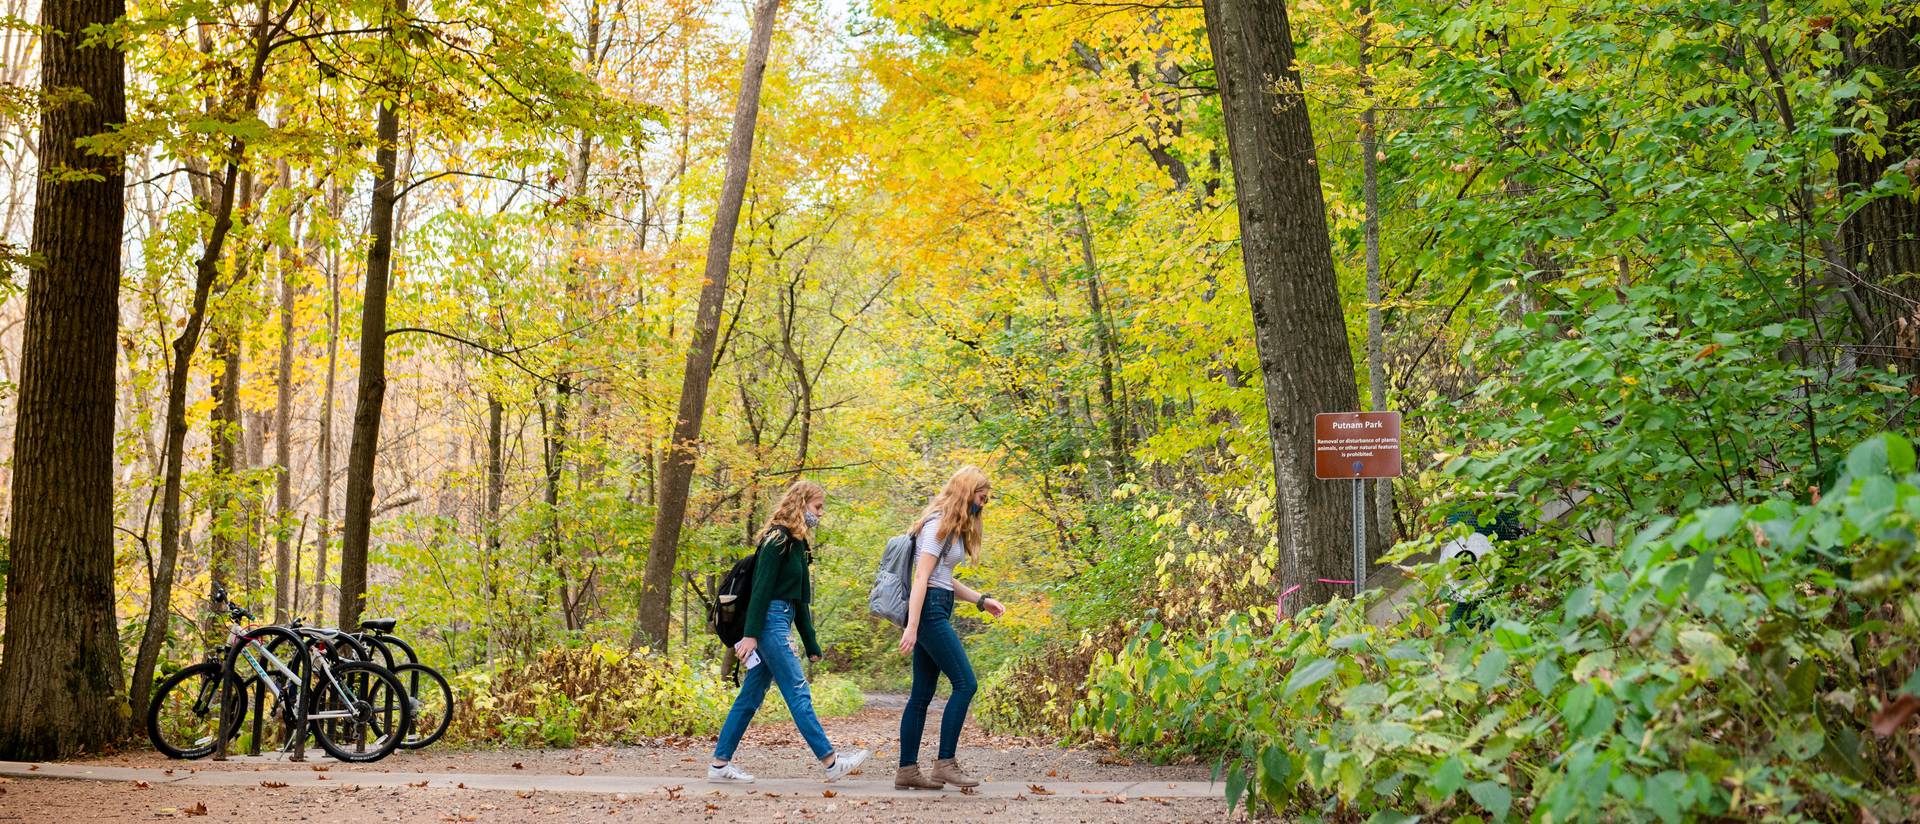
<point>954,506</point>
<point>790,512</point>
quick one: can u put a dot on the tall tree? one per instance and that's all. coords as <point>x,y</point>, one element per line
<point>284,594</point>
<point>656,597</point>
<point>206,273</point>
<point>1881,239</point>
<point>357,523</point>
<point>60,675</point>
<point>1298,324</point>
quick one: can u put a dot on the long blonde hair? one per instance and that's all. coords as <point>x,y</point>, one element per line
<point>954,505</point>
<point>790,512</point>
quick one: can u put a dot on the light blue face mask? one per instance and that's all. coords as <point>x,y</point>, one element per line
<point>812,519</point>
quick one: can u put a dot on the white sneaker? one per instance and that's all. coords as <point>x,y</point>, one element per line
<point>846,762</point>
<point>728,774</point>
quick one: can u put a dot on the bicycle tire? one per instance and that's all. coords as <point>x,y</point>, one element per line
<point>201,681</point>
<point>288,697</point>
<point>430,724</point>
<point>379,705</point>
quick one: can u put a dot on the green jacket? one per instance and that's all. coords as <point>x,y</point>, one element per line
<point>780,573</point>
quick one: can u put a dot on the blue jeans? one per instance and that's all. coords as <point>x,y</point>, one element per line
<point>779,665</point>
<point>936,650</point>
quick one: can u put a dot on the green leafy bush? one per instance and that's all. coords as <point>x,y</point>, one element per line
<point>833,697</point>
<point>1726,665</point>
<point>586,695</point>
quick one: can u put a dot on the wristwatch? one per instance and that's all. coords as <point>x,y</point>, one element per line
<point>982,603</point>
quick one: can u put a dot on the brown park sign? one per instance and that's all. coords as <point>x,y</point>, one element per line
<point>1356,445</point>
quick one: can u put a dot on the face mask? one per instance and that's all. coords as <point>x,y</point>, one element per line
<point>812,519</point>
<point>975,509</point>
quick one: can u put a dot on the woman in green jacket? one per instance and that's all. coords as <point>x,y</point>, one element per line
<point>780,600</point>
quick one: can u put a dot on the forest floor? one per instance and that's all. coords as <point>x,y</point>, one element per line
<point>665,781</point>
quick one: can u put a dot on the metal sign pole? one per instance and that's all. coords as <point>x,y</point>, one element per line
<point>1359,535</point>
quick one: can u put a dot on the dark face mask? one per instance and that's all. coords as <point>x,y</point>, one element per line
<point>975,509</point>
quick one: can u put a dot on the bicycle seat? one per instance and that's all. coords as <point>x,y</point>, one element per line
<point>379,624</point>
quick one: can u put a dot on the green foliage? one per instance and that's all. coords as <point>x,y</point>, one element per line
<point>833,697</point>
<point>1722,665</point>
<point>590,695</point>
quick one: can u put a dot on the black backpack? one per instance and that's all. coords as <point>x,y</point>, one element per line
<point>727,608</point>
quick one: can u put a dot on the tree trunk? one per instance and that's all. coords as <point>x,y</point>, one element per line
<point>323,540</point>
<point>358,521</point>
<point>1881,241</point>
<point>283,591</point>
<point>656,597</point>
<point>1103,338</point>
<point>60,677</point>
<point>223,429</point>
<point>496,484</point>
<point>1297,321</point>
<point>554,426</point>
<point>1376,332</point>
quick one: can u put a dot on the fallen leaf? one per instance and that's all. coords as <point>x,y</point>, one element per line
<point>33,767</point>
<point>319,767</point>
<point>712,806</point>
<point>828,793</point>
<point>1053,773</point>
<point>1092,791</point>
<point>524,793</point>
<point>673,793</point>
<point>416,783</point>
<point>772,794</point>
<point>167,771</point>
<point>1039,790</point>
<point>577,771</point>
<point>196,808</point>
<point>462,785</point>
<point>519,766</point>
<point>141,785</point>
<point>273,785</point>
<point>1020,797</point>
<point>1115,799</point>
<point>1888,720</point>
<point>321,778</point>
<point>969,791</point>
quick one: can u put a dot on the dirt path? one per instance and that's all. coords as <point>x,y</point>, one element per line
<point>1029,780</point>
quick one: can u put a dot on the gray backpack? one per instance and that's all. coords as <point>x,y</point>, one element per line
<point>893,581</point>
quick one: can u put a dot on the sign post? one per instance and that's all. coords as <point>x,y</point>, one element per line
<point>1357,446</point>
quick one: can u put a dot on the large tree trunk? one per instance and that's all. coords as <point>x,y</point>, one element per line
<point>60,677</point>
<point>656,598</point>
<point>1881,240</point>
<point>357,522</point>
<point>1297,320</point>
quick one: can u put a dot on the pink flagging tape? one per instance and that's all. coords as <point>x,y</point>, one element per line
<point>1281,602</point>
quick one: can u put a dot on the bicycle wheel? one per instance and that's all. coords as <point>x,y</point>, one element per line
<point>185,711</point>
<point>360,711</point>
<point>432,704</point>
<point>270,669</point>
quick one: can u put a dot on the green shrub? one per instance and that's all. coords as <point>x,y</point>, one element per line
<point>586,695</point>
<point>833,697</point>
<point>1724,666</point>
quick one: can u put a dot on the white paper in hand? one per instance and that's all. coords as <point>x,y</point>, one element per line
<point>753,659</point>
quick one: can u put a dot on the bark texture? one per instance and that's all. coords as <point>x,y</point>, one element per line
<point>1297,318</point>
<point>60,675</point>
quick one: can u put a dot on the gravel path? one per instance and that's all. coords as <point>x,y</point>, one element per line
<point>1029,780</point>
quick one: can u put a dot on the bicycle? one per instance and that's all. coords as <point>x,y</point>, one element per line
<point>350,707</point>
<point>432,695</point>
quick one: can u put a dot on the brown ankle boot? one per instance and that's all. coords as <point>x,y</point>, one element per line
<point>948,770</point>
<point>909,778</point>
